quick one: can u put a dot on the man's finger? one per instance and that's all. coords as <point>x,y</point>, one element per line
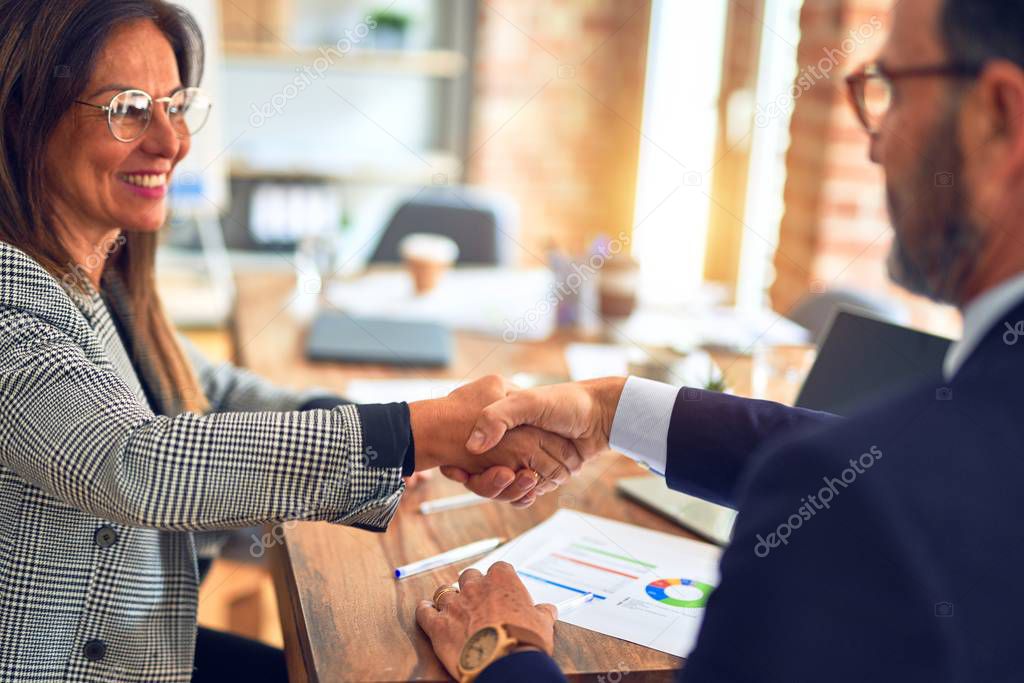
<point>427,616</point>
<point>499,417</point>
<point>446,598</point>
<point>501,568</point>
<point>548,609</point>
<point>468,577</point>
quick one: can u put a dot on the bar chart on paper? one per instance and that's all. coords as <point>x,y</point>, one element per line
<point>649,588</point>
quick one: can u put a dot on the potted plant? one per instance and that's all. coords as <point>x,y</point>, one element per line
<point>389,29</point>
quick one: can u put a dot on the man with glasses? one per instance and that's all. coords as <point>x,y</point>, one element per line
<point>912,571</point>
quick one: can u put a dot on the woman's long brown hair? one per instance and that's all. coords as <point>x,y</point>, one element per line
<point>48,49</point>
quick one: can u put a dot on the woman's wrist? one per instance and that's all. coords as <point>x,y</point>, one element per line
<point>428,425</point>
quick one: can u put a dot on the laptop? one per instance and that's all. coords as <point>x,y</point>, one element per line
<point>860,357</point>
<point>336,336</point>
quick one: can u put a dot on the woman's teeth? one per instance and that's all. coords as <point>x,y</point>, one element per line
<point>145,180</point>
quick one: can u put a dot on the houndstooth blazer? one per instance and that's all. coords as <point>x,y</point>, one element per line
<point>100,493</point>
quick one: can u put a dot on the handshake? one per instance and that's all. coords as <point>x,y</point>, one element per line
<point>511,444</point>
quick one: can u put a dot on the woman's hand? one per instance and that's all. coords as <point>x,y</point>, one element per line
<point>497,598</point>
<point>520,465</point>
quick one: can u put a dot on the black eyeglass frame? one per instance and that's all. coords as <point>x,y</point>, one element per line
<point>857,81</point>
<point>166,101</point>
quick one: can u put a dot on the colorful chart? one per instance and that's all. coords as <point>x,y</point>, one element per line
<point>658,590</point>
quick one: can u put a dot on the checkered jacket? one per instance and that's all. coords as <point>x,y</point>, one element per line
<point>101,495</point>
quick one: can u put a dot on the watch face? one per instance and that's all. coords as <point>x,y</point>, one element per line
<point>478,649</point>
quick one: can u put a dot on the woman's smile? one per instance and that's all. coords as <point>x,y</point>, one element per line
<point>147,184</point>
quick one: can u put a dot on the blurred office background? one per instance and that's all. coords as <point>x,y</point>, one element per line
<point>709,144</point>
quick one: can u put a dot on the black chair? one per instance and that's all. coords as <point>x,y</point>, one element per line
<point>483,226</point>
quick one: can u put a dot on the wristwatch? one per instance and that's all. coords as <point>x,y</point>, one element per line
<point>491,643</point>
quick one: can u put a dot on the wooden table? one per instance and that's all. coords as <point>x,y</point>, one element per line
<point>343,615</point>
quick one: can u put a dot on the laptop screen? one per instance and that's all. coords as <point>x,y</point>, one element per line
<point>862,357</point>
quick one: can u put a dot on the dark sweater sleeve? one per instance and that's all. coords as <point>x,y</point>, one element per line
<point>387,433</point>
<point>535,667</point>
<point>711,436</point>
<point>387,436</point>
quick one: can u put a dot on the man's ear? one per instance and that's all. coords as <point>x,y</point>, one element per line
<point>992,123</point>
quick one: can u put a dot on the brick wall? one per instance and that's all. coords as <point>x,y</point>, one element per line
<point>835,231</point>
<point>558,105</point>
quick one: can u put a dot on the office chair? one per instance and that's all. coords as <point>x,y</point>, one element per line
<point>484,226</point>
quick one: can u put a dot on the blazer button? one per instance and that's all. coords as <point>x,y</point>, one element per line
<point>105,537</point>
<point>95,650</point>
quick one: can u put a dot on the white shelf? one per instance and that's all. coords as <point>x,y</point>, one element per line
<point>429,63</point>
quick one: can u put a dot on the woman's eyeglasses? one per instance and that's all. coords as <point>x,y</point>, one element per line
<point>871,87</point>
<point>131,111</point>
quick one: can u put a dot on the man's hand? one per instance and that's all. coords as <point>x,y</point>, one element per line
<point>519,464</point>
<point>581,412</point>
<point>498,598</point>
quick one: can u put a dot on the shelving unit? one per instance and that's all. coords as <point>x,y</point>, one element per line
<point>268,42</point>
<point>313,93</point>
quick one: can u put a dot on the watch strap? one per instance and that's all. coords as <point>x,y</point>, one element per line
<point>527,636</point>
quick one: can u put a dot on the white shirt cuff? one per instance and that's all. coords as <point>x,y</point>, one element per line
<point>641,422</point>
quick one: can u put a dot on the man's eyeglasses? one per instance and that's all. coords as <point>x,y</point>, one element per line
<point>131,111</point>
<point>870,87</point>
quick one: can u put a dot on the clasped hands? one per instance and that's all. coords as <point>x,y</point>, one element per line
<point>510,444</point>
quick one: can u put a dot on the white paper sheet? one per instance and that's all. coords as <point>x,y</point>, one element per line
<point>650,588</point>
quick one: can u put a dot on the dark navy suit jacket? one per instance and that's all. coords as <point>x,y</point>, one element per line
<point>907,565</point>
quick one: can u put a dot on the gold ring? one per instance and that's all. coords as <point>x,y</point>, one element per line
<point>443,591</point>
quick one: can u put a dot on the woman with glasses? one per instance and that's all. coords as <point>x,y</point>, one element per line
<point>118,442</point>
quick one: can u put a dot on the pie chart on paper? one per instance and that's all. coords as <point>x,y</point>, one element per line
<point>679,592</point>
